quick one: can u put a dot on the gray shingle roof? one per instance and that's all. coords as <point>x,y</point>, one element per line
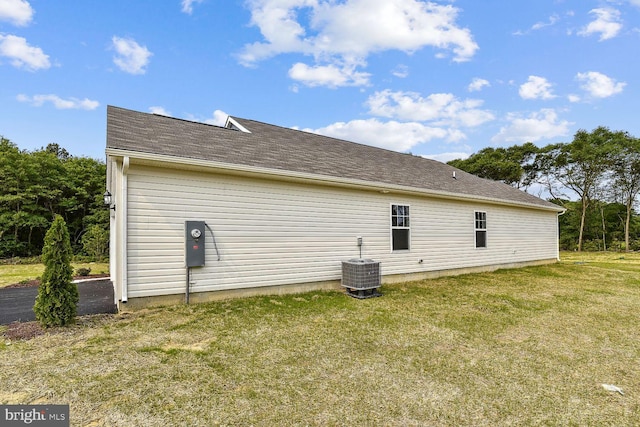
<point>283,149</point>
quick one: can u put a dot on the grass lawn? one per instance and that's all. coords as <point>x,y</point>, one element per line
<point>530,346</point>
<point>11,274</point>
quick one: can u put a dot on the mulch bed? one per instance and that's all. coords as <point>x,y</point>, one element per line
<point>17,331</point>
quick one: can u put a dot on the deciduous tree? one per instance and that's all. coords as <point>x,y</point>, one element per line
<point>510,165</point>
<point>625,177</point>
<point>581,165</point>
<point>35,186</point>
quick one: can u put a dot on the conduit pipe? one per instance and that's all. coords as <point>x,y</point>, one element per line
<point>215,245</point>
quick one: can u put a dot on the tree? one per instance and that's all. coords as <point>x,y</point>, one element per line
<point>95,242</point>
<point>81,200</point>
<point>580,166</point>
<point>57,151</point>
<point>13,180</point>
<point>626,178</point>
<point>57,299</point>
<point>510,165</point>
<point>35,186</point>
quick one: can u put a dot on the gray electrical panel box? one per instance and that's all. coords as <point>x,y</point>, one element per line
<point>194,250</point>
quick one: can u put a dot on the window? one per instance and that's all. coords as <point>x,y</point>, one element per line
<point>481,229</point>
<point>400,230</point>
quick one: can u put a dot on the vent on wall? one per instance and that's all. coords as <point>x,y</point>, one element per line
<point>361,277</point>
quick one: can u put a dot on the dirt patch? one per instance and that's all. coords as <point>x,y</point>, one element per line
<point>25,330</point>
<point>36,282</point>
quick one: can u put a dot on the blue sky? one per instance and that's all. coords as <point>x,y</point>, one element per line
<point>442,79</point>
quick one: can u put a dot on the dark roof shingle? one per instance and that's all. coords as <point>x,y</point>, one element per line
<point>273,147</point>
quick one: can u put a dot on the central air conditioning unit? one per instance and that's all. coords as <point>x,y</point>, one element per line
<point>361,277</point>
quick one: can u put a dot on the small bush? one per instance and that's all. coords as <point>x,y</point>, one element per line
<point>83,271</point>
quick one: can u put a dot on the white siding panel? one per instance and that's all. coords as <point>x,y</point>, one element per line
<point>275,233</point>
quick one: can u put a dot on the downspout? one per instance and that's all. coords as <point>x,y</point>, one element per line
<point>113,262</point>
<point>124,212</point>
<point>558,234</point>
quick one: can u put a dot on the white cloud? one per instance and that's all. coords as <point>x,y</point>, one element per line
<point>187,5</point>
<point>130,56</point>
<point>552,20</point>
<point>59,103</point>
<point>478,84</point>
<point>572,97</point>
<point>219,118</point>
<point>455,135</point>
<point>635,2</point>
<point>444,109</point>
<point>401,71</point>
<point>536,88</point>
<point>17,12</point>
<point>347,32</point>
<point>21,54</point>
<point>607,24</point>
<point>328,75</point>
<point>599,85</point>
<point>160,111</point>
<point>391,135</point>
<point>539,125</point>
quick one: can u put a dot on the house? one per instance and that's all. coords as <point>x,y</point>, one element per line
<point>284,208</point>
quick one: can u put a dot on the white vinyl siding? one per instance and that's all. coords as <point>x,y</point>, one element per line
<point>276,233</point>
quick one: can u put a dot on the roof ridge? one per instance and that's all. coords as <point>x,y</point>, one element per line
<point>167,117</point>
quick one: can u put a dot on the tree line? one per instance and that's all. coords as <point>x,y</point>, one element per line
<point>596,177</point>
<point>35,186</point>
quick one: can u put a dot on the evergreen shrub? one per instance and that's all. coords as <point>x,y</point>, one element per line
<point>57,300</point>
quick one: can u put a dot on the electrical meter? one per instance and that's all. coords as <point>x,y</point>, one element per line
<point>194,243</point>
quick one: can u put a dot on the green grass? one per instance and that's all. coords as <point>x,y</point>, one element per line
<point>529,346</point>
<point>12,274</point>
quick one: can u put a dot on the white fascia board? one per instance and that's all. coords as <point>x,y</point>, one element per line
<point>235,124</point>
<point>287,175</point>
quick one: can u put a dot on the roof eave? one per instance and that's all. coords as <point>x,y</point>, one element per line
<point>152,159</point>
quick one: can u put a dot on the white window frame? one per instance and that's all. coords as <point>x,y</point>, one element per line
<point>483,228</point>
<point>406,218</point>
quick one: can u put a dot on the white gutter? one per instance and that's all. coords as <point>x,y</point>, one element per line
<point>124,214</point>
<point>315,178</point>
